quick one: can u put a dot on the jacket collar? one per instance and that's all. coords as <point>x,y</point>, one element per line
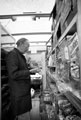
<point>19,52</point>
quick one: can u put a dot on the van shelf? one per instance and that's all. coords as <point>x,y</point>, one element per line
<point>76,102</point>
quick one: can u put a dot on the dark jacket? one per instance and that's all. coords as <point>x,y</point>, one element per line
<point>19,81</point>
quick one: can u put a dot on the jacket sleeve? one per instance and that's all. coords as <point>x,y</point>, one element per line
<point>13,70</point>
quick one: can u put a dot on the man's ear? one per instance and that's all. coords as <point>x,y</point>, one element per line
<point>22,45</point>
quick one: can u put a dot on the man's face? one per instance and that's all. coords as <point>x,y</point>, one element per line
<point>25,47</point>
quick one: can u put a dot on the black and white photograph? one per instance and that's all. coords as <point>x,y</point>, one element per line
<point>40,59</point>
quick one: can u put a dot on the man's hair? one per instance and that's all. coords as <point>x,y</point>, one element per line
<point>21,41</point>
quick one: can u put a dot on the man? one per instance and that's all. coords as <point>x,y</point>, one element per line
<point>19,80</point>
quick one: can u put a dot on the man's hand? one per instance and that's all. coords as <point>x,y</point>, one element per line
<point>35,70</point>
